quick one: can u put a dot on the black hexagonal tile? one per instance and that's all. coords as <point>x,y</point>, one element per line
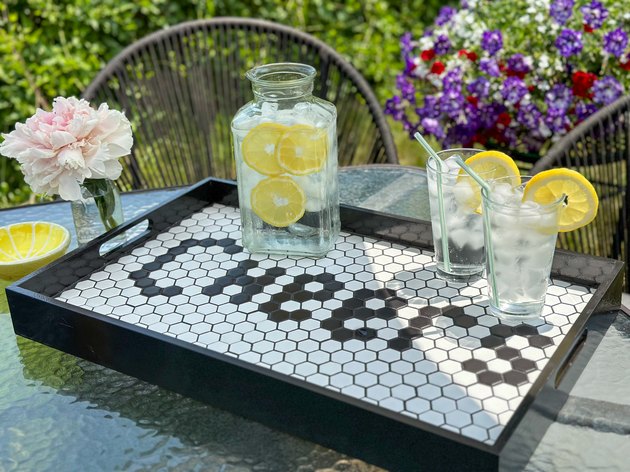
<point>507,353</point>
<point>341,334</point>
<point>540,341</point>
<point>352,303</point>
<point>409,333</point>
<point>208,242</point>
<point>396,302</point>
<point>172,291</point>
<point>342,313</point>
<point>523,365</point>
<point>304,278</point>
<point>384,293</point>
<point>487,377</point>
<point>363,313</point>
<point>430,311</point>
<point>474,365</point>
<point>363,294</point>
<point>501,330</point>
<point>176,251</point>
<point>452,311</point>
<point>226,242</point>
<point>515,378</point>
<point>386,313</point>
<point>151,291</point>
<point>212,290</point>
<point>269,306</point>
<point>244,280</point>
<point>420,322</point>
<point>333,286</point>
<point>239,298</point>
<point>145,283</point>
<point>465,321</point>
<point>302,296</point>
<point>165,258</point>
<point>331,324</point>
<point>189,243</point>
<point>492,342</point>
<point>323,295</point>
<point>279,315</point>
<point>264,280</point>
<point>281,297</point>
<point>399,344</point>
<point>525,330</point>
<point>292,288</point>
<point>365,334</point>
<point>139,274</point>
<point>300,315</point>
<point>151,266</point>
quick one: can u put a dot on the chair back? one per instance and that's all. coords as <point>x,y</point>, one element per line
<point>180,88</point>
<point>599,148</point>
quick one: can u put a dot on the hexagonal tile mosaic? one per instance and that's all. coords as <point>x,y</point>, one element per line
<point>371,320</point>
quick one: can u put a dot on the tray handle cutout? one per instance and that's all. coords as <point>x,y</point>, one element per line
<point>127,238</point>
<point>570,358</point>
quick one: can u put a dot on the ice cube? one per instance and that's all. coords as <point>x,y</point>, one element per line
<point>268,109</point>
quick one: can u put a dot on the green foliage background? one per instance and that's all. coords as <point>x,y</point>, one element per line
<point>56,48</point>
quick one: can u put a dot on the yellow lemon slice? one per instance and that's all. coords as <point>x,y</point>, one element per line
<point>259,148</point>
<point>489,165</point>
<point>278,201</point>
<point>581,198</point>
<point>493,165</point>
<point>302,150</point>
<point>25,247</point>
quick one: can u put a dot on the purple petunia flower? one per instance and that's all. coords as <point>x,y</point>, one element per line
<point>584,110</point>
<point>445,15</point>
<point>557,120</point>
<point>559,97</point>
<point>561,10</point>
<point>452,79</point>
<point>492,41</point>
<point>406,88</point>
<point>513,90</point>
<point>479,87</point>
<point>516,63</point>
<point>490,67</point>
<point>433,126</point>
<point>615,42</point>
<point>529,116</point>
<point>594,14</point>
<point>430,109</point>
<point>395,108</point>
<point>569,42</point>
<point>442,45</point>
<point>452,103</point>
<point>606,90</point>
<point>406,44</point>
<point>488,114</point>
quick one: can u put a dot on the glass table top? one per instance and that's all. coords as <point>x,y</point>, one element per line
<point>59,412</point>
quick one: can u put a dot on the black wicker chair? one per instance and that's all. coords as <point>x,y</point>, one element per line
<point>599,148</point>
<point>180,88</point>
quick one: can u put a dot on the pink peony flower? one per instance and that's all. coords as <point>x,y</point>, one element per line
<point>58,150</point>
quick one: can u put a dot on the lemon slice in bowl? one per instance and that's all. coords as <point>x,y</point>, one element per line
<point>581,202</point>
<point>25,247</point>
<point>488,165</point>
<point>302,150</point>
<point>259,148</point>
<point>278,201</point>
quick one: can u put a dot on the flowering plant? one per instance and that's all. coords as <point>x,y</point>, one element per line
<point>512,73</point>
<point>59,149</point>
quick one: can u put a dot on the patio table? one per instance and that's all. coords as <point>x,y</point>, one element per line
<point>59,412</point>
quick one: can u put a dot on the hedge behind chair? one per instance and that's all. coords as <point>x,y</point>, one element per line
<point>180,88</point>
<point>599,148</point>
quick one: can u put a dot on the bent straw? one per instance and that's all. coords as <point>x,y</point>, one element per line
<point>485,189</point>
<point>440,168</point>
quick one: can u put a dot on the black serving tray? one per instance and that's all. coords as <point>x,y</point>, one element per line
<point>365,351</point>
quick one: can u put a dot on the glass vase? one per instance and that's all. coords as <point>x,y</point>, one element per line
<point>98,211</point>
<point>285,148</point>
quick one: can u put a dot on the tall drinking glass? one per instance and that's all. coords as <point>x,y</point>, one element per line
<point>520,241</point>
<point>456,221</point>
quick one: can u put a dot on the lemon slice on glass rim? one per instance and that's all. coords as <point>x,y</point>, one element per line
<point>260,146</point>
<point>488,165</point>
<point>278,201</point>
<point>25,247</point>
<point>581,201</point>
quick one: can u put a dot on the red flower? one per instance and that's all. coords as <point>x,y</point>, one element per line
<point>472,100</point>
<point>587,28</point>
<point>513,73</point>
<point>582,83</point>
<point>480,138</point>
<point>437,68</point>
<point>531,88</point>
<point>504,119</point>
<point>471,55</point>
<point>427,54</point>
<point>625,65</point>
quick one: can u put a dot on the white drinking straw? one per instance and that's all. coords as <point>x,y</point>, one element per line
<point>440,168</point>
<point>486,221</point>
